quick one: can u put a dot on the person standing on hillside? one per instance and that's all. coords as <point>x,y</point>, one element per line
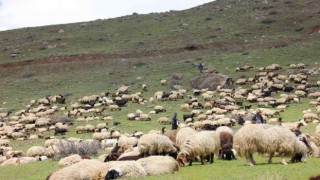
<point>174,121</point>
<point>258,119</point>
<point>200,68</point>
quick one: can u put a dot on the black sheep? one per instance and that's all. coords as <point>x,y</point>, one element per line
<point>186,116</point>
<point>120,102</point>
<point>112,174</point>
<point>288,89</point>
<point>165,96</point>
<point>209,127</point>
<point>60,131</point>
<point>247,107</point>
<point>227,155</point>
<point>115,149</point>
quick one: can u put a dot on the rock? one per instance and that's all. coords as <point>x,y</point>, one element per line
<point>210,81</point>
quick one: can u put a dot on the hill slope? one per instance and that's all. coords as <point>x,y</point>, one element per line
<point>226,24</point>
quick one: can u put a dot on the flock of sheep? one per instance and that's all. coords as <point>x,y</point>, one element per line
<point>208,128</point>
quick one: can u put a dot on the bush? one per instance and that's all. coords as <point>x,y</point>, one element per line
<point>86,148</point>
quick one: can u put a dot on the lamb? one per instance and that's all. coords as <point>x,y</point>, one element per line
<point>67,161</point>
<point>155,144</point>
<point>265,139</point>
<point>203,144</point>
<point>157,165</point>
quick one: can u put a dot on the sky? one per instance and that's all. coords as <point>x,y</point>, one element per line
<point>29,13</point>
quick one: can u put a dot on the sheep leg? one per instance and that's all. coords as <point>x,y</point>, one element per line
<point>252,160</point>
<point>202,160</point>
<point>211,158</point>
<point>270,158</point>
<point>304,157</point>
<point>249,159</point>
<point>190,163</point>
<point>283,161</point>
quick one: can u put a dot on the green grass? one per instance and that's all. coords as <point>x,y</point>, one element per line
<point>237,24</point>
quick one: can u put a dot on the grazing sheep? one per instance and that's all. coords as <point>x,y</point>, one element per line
<point>157,165</point>
<point>265,139</point>
<point>127,141</point>
<point>163,82</point>
<point>203,144</point>
<point>67,161</point>
<point>183,134</point>
<point>159,109</point>
<point>155,144</point>
<point>164,120</point>
<point>36,151</point>
<point>114,107</point>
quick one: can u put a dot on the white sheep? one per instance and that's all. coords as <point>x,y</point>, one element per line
<point>67,161</point>
<point>203,144</point>
<point>155,144</point>
<point>265,139</point>
<point>121,169</point>
<point>127,141</point>
<point>156,165</point>
<point>164,120</point>
<point>183,134</point>
<point>36,151</point>
<point>86,169</point>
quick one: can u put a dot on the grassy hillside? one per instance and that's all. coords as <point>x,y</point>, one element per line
<point>102,55</point>
<point>216,24</point>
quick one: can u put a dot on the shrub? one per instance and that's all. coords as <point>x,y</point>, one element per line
<point>86,148</point>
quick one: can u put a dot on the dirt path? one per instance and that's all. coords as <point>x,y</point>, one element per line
<point>232,46</point>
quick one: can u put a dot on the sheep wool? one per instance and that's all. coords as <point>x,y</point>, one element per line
<point>203,144</point>
<point>155,144</point>
<point>265,139</point>
<point>125,169</point>
<point>36,151</point>
<point>183,134</point>
<point>156,165</point>
<point>85,170</point>
<point>67,161</point>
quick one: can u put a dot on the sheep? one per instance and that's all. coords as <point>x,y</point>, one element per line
<point>85,169</point>
<point>164,120</point>
<point>144,117</point>
<point>186,116</point>
<point>122,169</point>
<point>155,144</point>
<point>163,82</point>
<point>157,165</point>
<point>308,117</point>
<point>265,139</point>
<point>80,129</point>
<point>36,151</point>
<point>114,107</point>
<point>67,161</point>
<point>183,134</point>
<point>127,141</point>
<point>203,144</point>
<point>185,107</point>
<point>159,109</point>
